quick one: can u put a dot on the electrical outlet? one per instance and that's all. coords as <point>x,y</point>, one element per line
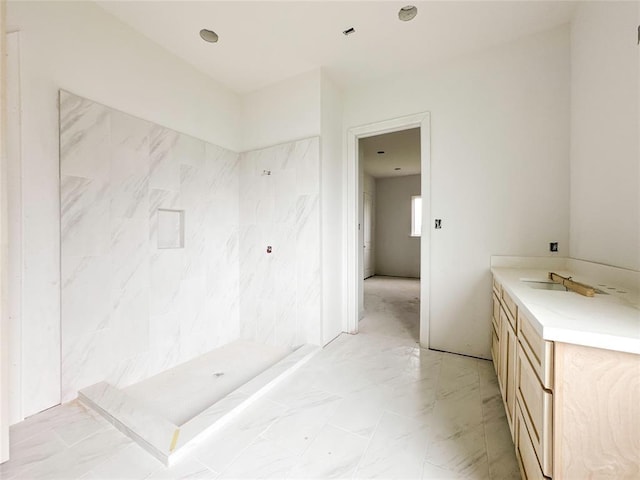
<point>553,247</point>
<point>438,223</point>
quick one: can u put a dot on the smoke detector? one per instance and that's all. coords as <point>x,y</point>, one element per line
<point>407,13</point>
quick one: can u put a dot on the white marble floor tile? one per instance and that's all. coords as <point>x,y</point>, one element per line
<point>333,454</point>
<point>28,454</point>
<point>371,405</point>
<point>79,460</point>
<point>424,364</point>
<point>416,399</point>
<point>463,452</point>
<point>223,446</point>
<point>130,463</point>
<point>90,453</point>
<point>396,450</point>
<point>500,447</point>
<point>81,423</point>
<point>71,421</point>
<point>298,426</point>
<point>344,378</point>
<point>89,476</point>
<point>360,413</point>
<point>433,472</point>
<point>261,459</point>
<point>188,469</point>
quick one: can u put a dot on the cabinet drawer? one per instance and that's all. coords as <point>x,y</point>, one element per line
<point>511,309</point>
<point>503,319</point>
<point>538,351</point>
<point>525,450</point>
<point>497,288</point>
<point>536,405</point>
<point>495,318</point>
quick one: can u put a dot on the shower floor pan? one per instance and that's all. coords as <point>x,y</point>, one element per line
<point>169,413</point>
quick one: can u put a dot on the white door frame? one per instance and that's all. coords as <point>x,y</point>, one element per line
<point>353,282</point>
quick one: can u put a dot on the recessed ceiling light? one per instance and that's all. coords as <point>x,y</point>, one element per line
<point>380,152</point>
<point>208,35</point>
<point>349,31</point>
<point>407,13</point>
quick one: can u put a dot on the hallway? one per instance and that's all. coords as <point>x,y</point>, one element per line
<point>371,405</point>
<point>392,307</point>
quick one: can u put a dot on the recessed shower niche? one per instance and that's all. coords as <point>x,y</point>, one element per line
<point>170,228</point>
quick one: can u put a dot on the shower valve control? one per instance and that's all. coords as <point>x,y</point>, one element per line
<point>269,249</point>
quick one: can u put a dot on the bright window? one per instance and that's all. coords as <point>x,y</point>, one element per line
<point>416,216</point>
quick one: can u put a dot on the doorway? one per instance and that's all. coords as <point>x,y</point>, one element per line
<point>390,174</point>
<point>354,237</point>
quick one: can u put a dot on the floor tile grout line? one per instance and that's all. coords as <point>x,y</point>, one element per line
<point>484,426</point>
<point>366,450</point>
<point>437,388</point>
<point>333,425</point>
<point>242,450</point>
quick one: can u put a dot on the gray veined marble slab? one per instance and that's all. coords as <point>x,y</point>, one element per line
<point>117,174</point>
<point>169,442</point>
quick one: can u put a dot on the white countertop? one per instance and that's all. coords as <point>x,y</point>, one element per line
<point>610,321</point>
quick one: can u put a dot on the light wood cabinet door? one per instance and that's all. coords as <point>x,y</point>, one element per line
<point>495,334</point>
<point>526,452</point>
<point>507,363</point>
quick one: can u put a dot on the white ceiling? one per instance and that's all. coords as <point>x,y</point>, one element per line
<point>401,150</point>
<point>263,42</point>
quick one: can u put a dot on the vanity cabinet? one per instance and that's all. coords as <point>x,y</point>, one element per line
<point>524,362</point>
<point>573,411</point>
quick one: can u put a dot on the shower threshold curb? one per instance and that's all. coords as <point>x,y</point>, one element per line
<point>169,442</point>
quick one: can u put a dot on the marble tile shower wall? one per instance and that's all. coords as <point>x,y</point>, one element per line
<point>130,309</point>
<point>279,207</point>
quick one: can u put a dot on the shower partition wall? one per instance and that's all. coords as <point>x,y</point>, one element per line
<point>280,278</point>
<point>171,246</point>
<point>131,308</point>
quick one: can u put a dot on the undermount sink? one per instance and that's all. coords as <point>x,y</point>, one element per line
<point>539,285</point>
<point>542,285</point>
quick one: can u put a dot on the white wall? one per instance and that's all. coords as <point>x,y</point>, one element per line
<point>331,208</point>
<point>499,168</point>
<point>397,252</point>
<point>304,106</point>
<point>4,314</point>
<point>78,47</point>
<point>369,246</point>
<point>605,165</point>
<point>288,110</point>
